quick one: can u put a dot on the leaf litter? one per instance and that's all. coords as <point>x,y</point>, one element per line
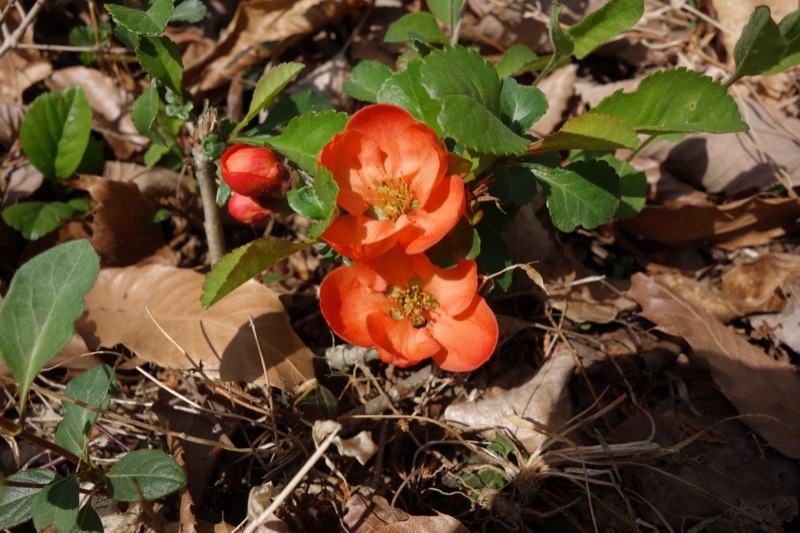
<point>613,427</point>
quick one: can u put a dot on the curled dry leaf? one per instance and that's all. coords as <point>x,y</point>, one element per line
<point>755,383</point>
<point>542,399</point>
<point>558,88</point>
<point>120,233</point>
<point>220,338</point>
<point>110,106</point>
<point>748,222</point>
<point>154,182</point>
<point>256,22</point>
<point>19,69</point>
<point>18,181</point>
<point>374,514</point>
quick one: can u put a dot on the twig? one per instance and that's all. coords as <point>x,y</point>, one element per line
<point>289,488</point>
<point>399,391</point>
<point>205,180</point>
<point>8,427</point>
<point>13,40</point>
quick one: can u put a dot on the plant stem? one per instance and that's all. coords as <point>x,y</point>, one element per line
<point>9,427</point>
<point>548,68</point>
<point>212,223</point>
<point>644,144</point>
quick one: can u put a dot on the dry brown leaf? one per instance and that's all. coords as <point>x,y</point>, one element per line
<point>256,22</point>
<point>542,399</point>
<point>784,326</point>
<point>219,338</point>
<point>18,181</point>
<point>110,105</point>
<point>154,182</point>
<point>558,88</point>
<point>120,233</point>
<point>755,383</point>
<point>19,69</point>
<point>375,515</point>
<point>747,222</point>
<point>11,115</point>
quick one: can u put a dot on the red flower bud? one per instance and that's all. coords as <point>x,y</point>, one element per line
<point>250,170</point>
<point>247,210</point>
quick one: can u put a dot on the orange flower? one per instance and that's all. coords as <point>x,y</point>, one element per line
<point>391,172</point>
<point>410,310</point>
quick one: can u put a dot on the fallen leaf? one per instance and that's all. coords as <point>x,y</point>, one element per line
<point>784,326</point>
<point>19,69</point>
<point>374,515</point>
<point>748,222</point>
<point>219,338</point>
<point>254,23</point>
<point>11,115</point>
<point>755,383</point>
<point>558,88</point>
<point>120,233</point>
<point>18,181</point>
<point>542,399</point>
<point>110,105</point>
<point>154,182</point>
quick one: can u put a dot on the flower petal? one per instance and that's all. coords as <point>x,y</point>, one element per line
<point>433,220</point>
<point>351,157</point>
<point>395,267</point>
<point>398,342</point>
<point>454,288</point>
<point>359,237</point>
<point>345,302</point>
<point>468,339</point>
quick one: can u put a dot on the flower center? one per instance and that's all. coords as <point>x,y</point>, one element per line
<point>392,198</point>
<point>412,303</point>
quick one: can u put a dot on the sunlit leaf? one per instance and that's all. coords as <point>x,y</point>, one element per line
<point>151,473</point>
<point>267,88</point>
<point>601,25</point>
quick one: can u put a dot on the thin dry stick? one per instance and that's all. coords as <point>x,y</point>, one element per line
<point>12,40</point>
<point>289,488</point>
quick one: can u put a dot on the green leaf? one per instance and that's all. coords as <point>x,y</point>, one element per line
<point>675,101</point>
<point>267,88</point>
<point>760,47</point>
<point>57,504</point>
<point>190,11</point>
<point>404,89</point>
<point>601,25</point>
<point>512,185</point>
<point>446,10</point>
<point>292,106</point>
<point>462,72</point>
<point>584,193</point>
<point>521,105</point>
<point>55,132</point>
<point>94,387</point>
<point>36,219</point>
<point>561,40</point>
<point>415,24</point>
<point>790,30</point>
<point>38,314</point>
<point>150,22</point>
<point>594,131</point>
<point>88,520</point>
<point>16,504</point>
<point>326,191</point>
<point>475,127</point>
<point>144,112</point>
<point>156,474</point>
<point>515,61</point>
<point>304,200</point>
<point>238,266</point>
<point>366,80</point>
<point>494,256</point>
<point>304,137</point>
<point>633,184</point>
<point>94,158</point>
<point>161,59</point>
<point>462,242</point>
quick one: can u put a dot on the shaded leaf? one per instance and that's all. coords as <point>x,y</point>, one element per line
<point>16,503</point>
<point>161,59</point>
<point>366,80</point>
<point>57,504</point>
<point>599,26</point>
<point>36,219</point>
<point>220,339</point>
<point>760,47</point>
<point>584,193</point>
<point>562,41</point>
<point>150,22</point>
<point>521,105</point>
<point>152,472</point>
<point>675,101</point>
<point>415,25</point>
<point>42,303</point>
<point>189,11</point>
<point>446,10</point>
<point>267,88</point>
<point>292,106</point>
<point>633,183</point>
<point>790,30</point>
<point>752,380</point>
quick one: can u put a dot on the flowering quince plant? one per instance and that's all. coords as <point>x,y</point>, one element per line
<point>415,190</point>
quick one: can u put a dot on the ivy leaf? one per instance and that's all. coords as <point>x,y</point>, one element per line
<point>150,22</point>
<point>601,25</point>
<point>584,193</point>
<point>57,504</point>
<point>366,80</point>
<point>190,11</point>
<point>38,314</point>
<point>161,59</point>
<point>790,30</point>
<point>243,263</point>
<point>675,101</point>
<point>55,132</point>
<point>521,105</point>
<point>36,219</point>
<point>562,42</point>
<point>94,387</point>
<point>156,474</point>
<point>515,61</point>
<point>304,137</point>
<point>760,47</point>
<point>420,24</point>
<point>267,88</point>
<point>594,131</point>
<point>16,504</point>
<point>404,89</point>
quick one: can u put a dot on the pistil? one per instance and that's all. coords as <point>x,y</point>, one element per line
<point>412,303</point>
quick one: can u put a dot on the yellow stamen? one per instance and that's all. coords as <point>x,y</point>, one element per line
<point>412,303</point>
<point>392,198</point>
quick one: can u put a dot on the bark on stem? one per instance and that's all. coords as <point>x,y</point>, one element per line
<point>212,224</point>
